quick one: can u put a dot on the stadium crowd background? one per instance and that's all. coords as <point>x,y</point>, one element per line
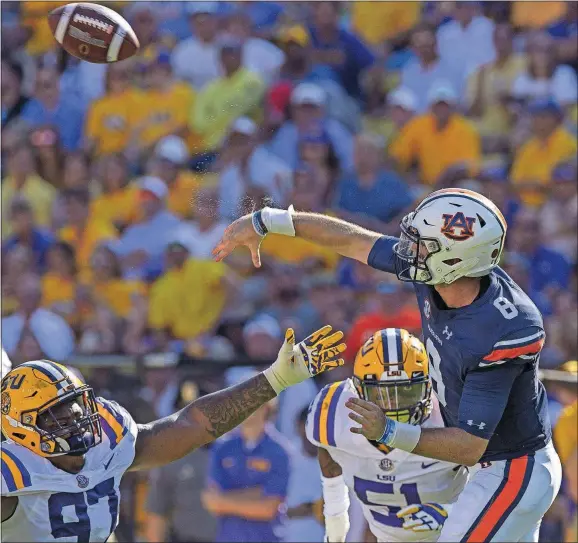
<point>118,180</point>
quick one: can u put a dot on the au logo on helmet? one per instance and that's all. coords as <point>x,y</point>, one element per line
<point>457,226</point>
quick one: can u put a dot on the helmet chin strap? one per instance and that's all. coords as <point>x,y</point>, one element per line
<point>461,271</point>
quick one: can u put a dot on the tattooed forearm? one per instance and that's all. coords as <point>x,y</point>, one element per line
<point>204,420</point>
<point>329,467</point>
<point>226,409</point>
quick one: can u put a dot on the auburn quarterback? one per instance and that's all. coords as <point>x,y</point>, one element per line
<point>66,450</point>
<point>391,372</point>
<point>483,336</point>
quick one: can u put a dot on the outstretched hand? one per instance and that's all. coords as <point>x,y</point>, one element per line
<point>369,415</point>
<point>240,232</point>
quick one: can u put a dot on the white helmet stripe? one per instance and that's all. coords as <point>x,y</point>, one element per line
<point>392,348</point>
<point>47,369</point>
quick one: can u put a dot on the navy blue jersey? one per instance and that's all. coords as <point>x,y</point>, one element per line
<point>484,361</point>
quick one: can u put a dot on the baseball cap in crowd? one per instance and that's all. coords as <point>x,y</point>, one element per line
<point>196,8</point>
<point>442,92</point>
<point>308,93</point>
<point>544,105</point>
<point>173,149</point>
<point>263,324</point>
<point>402,97</point>
<point>244,125</point>
<point>154,186</point>
<point>296,34</point>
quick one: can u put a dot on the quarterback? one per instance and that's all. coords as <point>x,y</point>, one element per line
<point>391,371</point>
<point>483,336</point>
<point>66,450</point>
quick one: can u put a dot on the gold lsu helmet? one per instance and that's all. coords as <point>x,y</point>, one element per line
<point>391,371</point>
<point>35,389</point>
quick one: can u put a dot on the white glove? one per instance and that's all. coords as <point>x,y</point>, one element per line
<point>424,517</point>
<point>315,354</point>
<point>336,528</point>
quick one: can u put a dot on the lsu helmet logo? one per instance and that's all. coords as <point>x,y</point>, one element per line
<point>458,227</point>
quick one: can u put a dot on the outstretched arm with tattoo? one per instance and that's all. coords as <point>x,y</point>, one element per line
<point>204,420</point>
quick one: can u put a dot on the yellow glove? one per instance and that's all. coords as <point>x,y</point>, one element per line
<point>295,363</point>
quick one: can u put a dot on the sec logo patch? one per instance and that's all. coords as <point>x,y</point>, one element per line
<point>82,481</point>
<point>386,464</point>
<point>427,309</point>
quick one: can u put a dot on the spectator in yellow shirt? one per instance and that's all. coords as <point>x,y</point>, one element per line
<point>113,310</point>
<point>549,145</point>
<point>443,143</point>
<point>118,204</point>
<point>23,180</point>
<point>112,118</point>
<point>236,94</point>
<point>490,86</point>
<point>169,163</point>
<point>187,300</point>
<point>82,231</point>
<point>59,281</point>
<point>164,105</point>
<point>379,22</point>
<point>536,15</point>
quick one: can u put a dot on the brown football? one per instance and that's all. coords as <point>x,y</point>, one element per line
<point>93,33</point>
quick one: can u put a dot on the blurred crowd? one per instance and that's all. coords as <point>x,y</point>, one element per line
<point>118,180</point>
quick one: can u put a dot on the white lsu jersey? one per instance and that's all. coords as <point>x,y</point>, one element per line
<point>383,481</point>
<point>54,505</point>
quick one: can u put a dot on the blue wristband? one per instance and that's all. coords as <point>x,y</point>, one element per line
<point>258,223</point>
<point>388,432</point>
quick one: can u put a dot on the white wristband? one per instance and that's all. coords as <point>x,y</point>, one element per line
<point>279,221</point>
<point>404,436</point>
<point>335,496</point>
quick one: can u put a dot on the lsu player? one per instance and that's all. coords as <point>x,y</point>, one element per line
<point>67,450</point>
<point>391,372</point>
<point>483,336</point>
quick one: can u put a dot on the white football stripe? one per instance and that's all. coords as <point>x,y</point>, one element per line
<point>63,22</point>
<point>115,45</point>
<point>394,356</point>
<point>519,340</point>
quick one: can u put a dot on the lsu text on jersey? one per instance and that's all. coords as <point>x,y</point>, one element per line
<point>384,482</point>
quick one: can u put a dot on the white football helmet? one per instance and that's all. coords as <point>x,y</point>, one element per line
<point>452,233</point>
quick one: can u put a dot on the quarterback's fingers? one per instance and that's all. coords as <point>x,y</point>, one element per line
<point>290,336</point>
<point>317,336</point>
<point>331,340</point>
<point>409,510</point>
<point>256,254</point>
<point>413,525</point>
<point>359,406</point>
<point>356,430</point>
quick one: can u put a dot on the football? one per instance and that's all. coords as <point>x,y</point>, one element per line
<point>93,33</point>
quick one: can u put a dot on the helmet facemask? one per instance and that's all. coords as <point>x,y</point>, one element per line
<point>402,400</point>
<point>413,252</point>
<point>73,439</point>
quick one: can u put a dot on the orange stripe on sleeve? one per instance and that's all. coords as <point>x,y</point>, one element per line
<point>502,501</point>
<point>501,354</point>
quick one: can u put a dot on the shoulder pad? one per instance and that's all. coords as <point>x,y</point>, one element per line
<point>116,422</point>
<point>325,422</point>
<point>16,469</point>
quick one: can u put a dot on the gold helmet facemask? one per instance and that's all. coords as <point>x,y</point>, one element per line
<point>33,396</point>
<point>391,371</point>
